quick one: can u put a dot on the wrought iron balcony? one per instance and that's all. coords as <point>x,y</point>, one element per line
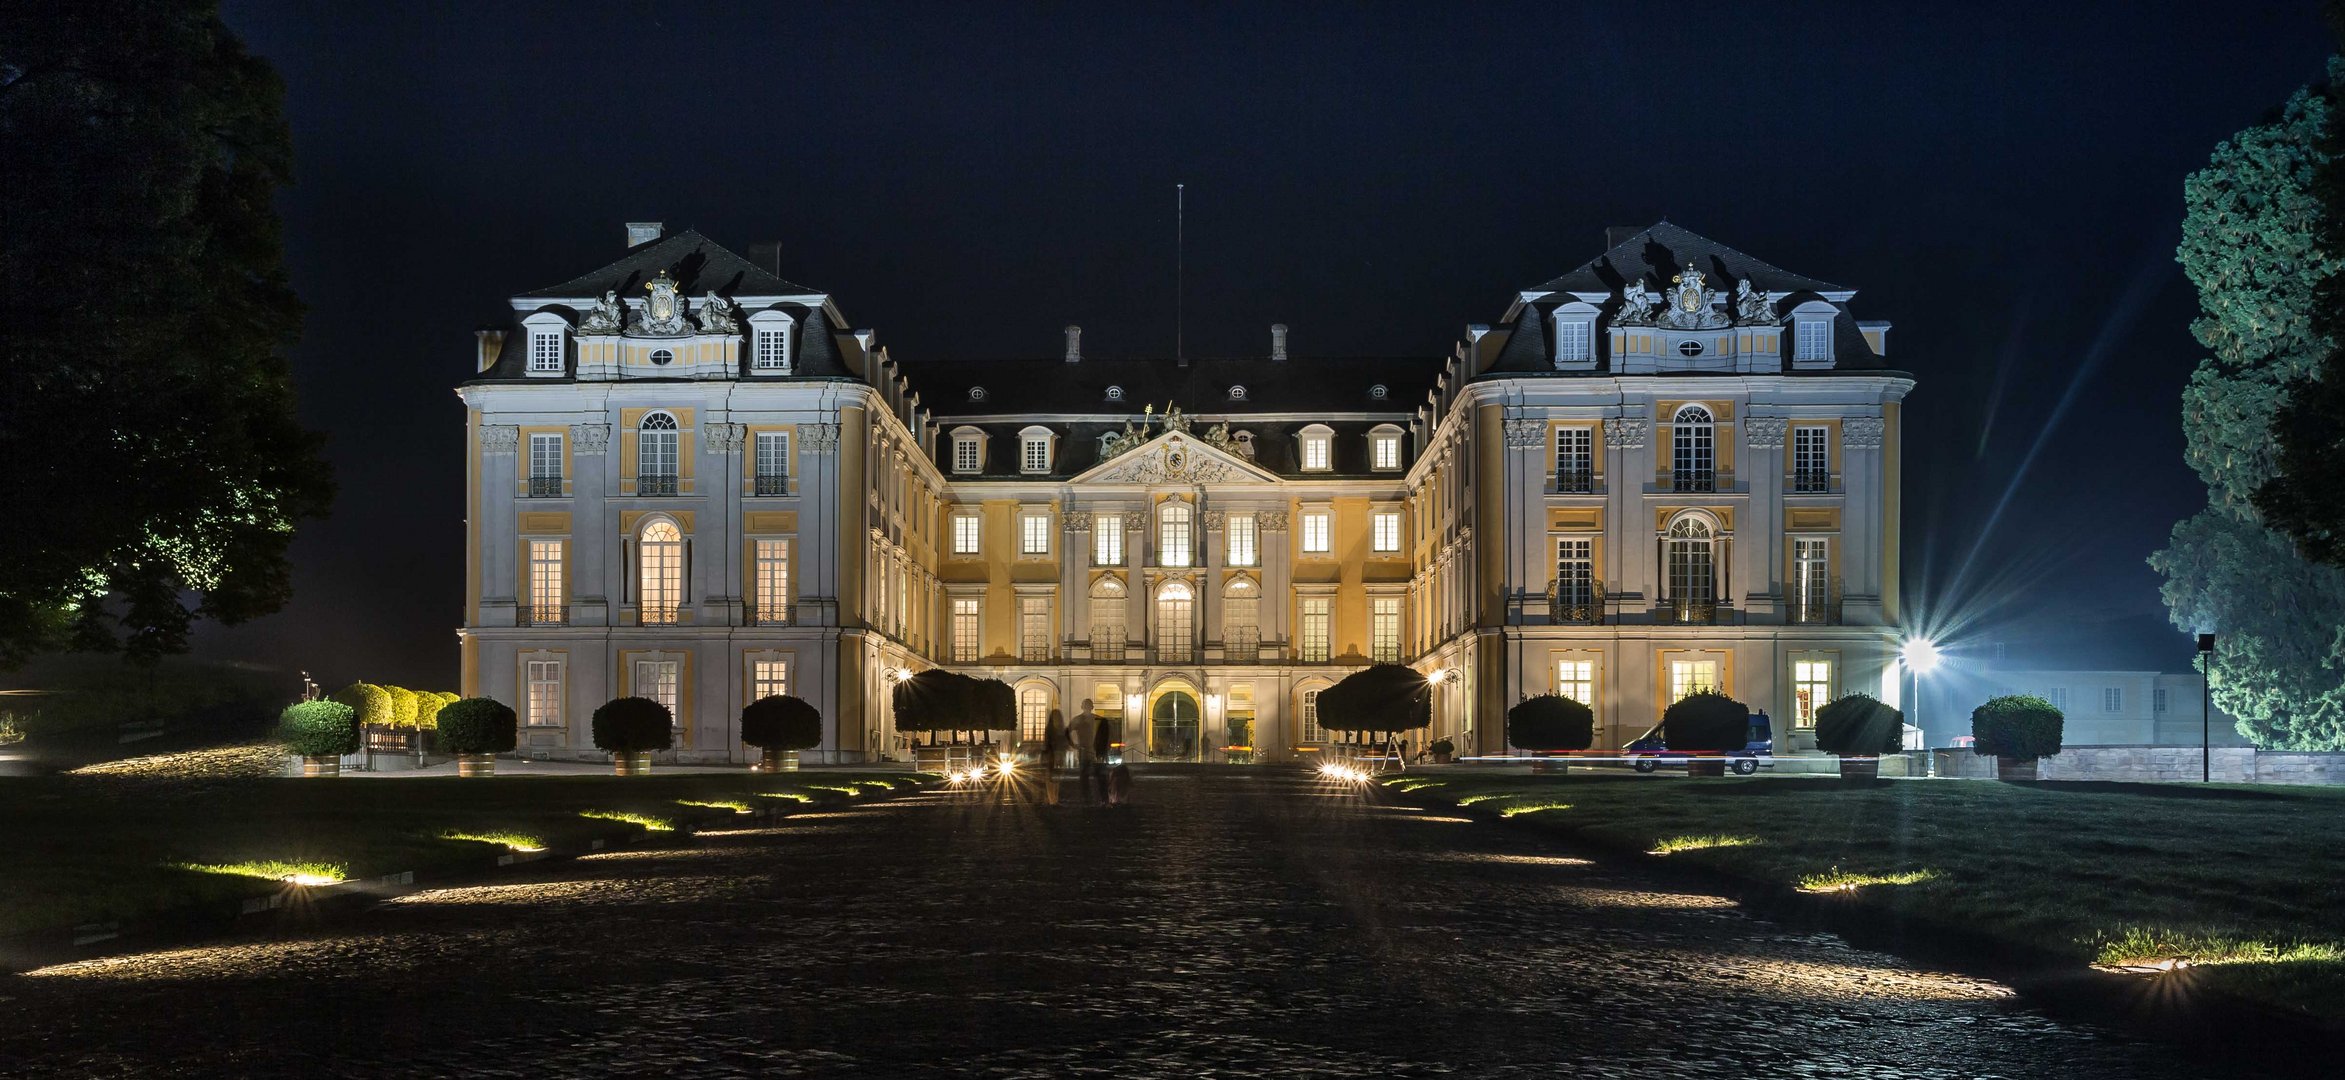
<point>655,485</point>
<point>769,615</point>
<point>1575,601</point>
<point>659,614</point>
<point>1691,610</point>
<point>773,485</point>
<point>1575,482</point>
<point>1816,605</point>
<point>1107,645</point>
<point>1693,480</point>
<point>1180,652</point>
<point>1241,646</point>
<point>546,615</point>
<point>545,487</point>
<point>1811,481</point>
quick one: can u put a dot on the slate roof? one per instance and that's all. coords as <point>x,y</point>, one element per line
<point>1202,388</point>
<point>698,264</point>
<point>1660,251</point>
<point>1276,448</point>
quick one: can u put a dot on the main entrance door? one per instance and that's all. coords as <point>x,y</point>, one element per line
<point>1175,727</point>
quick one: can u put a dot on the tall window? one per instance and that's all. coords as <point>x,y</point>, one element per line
<point>1811,580</point>
<point>773,349</point>
<point>1316,443</point>
<point>1384,629</point>
<point>772,581</point>
<point>965,630</point>
<point>1687,677</point>
<point>1316,530</point>
<point>1812,340</point>
<point>1573,340</point>
<point>967,453</point>
<point>545,351</point>
<point>1692,587</point>
<point>1315,630</point>
<point>1242,547</point>
<point>1241,622</point>
<point>1309,732</point>
<point>1034,534</point>
<point>1575,576</point>
<point>1034,715</point>
<point>656,455</point>
<point>663,682</point>
<point>2158,700</point>
<point>1575,471</point>
<point>1693,451</point>
<point>1811,460</point>
<point>545,465</point>
<point>1034,452</point>
<point>1384,531</point>
<point>2058,696</point>
<point>1576,679</point>
<point>1175,623</point>
<point>545,693</point>
<point>1107,621</point>
<point>1174,535</point>
<point>773,462</point>
<point>1811,689</point>
<point>1384,450</point>
<point>768,678</point>
<point>660,570</point>
<point>964,534</point>
<point>1107,540</point>
<point>2112,699</point>
<point>1034,629</point>
<point>546,606</point>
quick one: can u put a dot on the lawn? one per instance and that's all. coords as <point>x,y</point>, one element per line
<point>2244,885</point>
<point>94,847</point>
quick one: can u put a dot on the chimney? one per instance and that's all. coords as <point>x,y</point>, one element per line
<point>1074,344</point>
<point>1278,341</point>
<point>492,345</point>
<point>1616,235</point>
<point>643,232</point>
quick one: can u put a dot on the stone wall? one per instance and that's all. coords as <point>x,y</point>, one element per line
<point>2227,765</point>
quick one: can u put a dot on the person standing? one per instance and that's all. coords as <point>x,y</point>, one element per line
<point>1054,747</point>
<point>1104,736</point>
<point>1083,731</point>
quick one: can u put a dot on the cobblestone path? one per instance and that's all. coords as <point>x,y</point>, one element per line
<point>1230,924</point>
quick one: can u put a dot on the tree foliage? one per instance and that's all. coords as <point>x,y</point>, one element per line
<point>371,704</point>
<point>781,722</point>
<point>1859,725</point>
<point>145,402</point>
<point>1381,698</point>
<point>478,726</point>
<point>1550,722</point>
<point>319,729</point>
<point>2021,726</point>
<point>2252,245</point>
<point>633,725</point>
<point>1706,721</point>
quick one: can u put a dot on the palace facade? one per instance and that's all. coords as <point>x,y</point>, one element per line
<point>1674,467</point>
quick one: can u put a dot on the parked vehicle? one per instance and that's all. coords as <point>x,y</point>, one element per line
<point>1650,752</point>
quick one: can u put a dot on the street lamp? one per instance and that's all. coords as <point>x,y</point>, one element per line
<point>1919,654</point>
<point>2206,708</point>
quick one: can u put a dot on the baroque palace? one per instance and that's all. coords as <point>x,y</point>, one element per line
<point>1674,467</point>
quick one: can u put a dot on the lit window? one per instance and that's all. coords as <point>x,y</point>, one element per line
<point>1242,546</point>
<point>2112,699</point>
<point>1034,716</point>
<point>1689,677</point>
<point>1378,392</point>
<point>1034,450</point>
<point>768,678</point>
<point>1309,731</point>
<point>1384,450</point>
<point>773,462</point>
<point>1384,630</point>
<point>1174,536</point>
<point>1692,583</point>
<point>772,581</point>
<point>545,583</point>
<point>1107,621</point>
<point>1575,460</point>
<point>1241,622</point>
<point>1576,679</point>
<point>1107,540</point>
<point>660,569</point>
<point>1316,442</point>
<point>662,681</point>
<point>1316,530</point>
<point>1034,629</point>
<point>964,534</point>
<point>1811,689</point>
<point>968,452</point>
<point>545,464</point>
<point>1693,452</point>
<point>545,352</point>
<point>1176,628</point>
<point>1315,628</point>
<point>965,630</point>
<point>545,693</point>
<point>1811,460</point>
<point>656,454</point>
<point>1811,579</point>
<point>1575,577</point>
<point>1386,531</point>
<point>1034,534</point>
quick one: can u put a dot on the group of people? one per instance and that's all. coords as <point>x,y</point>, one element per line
<point>1093,740</point>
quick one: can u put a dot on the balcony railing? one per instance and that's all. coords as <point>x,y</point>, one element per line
<point>1575,482</point>
<point>545,487</point>
<point>1575,601</point>
<point>1179,652</point>
<point>1691,610</point>
<point>1816,604</point>
<point>1693,480</point>
<point>655,485</point>
<point>1107,644</point>
<point>773,485</point>
<point>546,615</point>
<point>769,615</point>
<point>1241,646</point>
<point>1811,481</point>
<point>659,614</point>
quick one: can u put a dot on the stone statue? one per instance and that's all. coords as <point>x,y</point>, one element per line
<point>1218,435</point>
<point>716,315</point>
<point>1173,420</point>
<point>607,316</point>
<point>1752,306</point>
<point>1636,305</point>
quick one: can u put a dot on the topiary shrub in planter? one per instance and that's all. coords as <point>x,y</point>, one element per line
<point>781,726</point>
<point>404,706</point>
<point>631,728</point>
<point>2016,729</point>
<point>1550,723</point>
<point>475,730</point>
<point>1708,724</point>
<point>321,732</point>
<point>371,703</point>
<point>1859,728</point>
<point>1443,751</point>
<point>1378,701</point>
<point>995,705</point>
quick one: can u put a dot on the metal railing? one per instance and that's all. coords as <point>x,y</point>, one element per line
<point>1107,644</point>
<point>1575,482</point>
<point>1575,601</point>
<point>1691,611</point>
<point>546,615</point>
<point>545,487</point>
<point>1816,605</point>
<point>773,485</point>
<point>1175,653</point>
<point>1811,481</point>
<point>655,485</point>
<point>1693,480</point>
<point>769,615</point>
<point>659,614</point>
<point>1241,646</point>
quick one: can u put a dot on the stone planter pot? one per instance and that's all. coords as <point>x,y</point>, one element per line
<point>637,764</point>
<point>476,764</point>
<point>1443,759</point>
<point>321,765</point>
<point>1705,766</point>
<point>777,761</point>
<point>1860,770</point>
<point>2008,769</point>
<point>1550,765</point>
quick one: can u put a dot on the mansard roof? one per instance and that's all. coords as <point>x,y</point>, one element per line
<point>1051,385</point>
<point>1660,251</point>
<point>698,264</point>
<point>1277,447</point>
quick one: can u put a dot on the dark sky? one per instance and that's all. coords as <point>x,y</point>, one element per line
<point>2004,185</point>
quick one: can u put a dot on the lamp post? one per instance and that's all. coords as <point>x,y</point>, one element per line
<point>1919,654</point>
<point>2206,708</point>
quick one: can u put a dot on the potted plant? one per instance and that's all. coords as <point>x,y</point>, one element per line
<point>780,725</point>
<point>1550,723</point>
<point>2016,730</point>
<point>1859,728</point>
<point>1707,725</point>
<point>320,732</point>
<point>476,730</point>
<point>631,728</point>
<point>1376,702</point>
<point>1443,751</point>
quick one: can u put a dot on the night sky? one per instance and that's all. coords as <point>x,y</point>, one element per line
<point>2006,188</point>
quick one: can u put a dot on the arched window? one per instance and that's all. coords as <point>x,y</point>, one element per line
<point>1033,715</point>
<point>1241,621</point>
<point>1693,451</point>
<point>1693,564</point>
<point>656,454</point>
<point>1176,623</point>
<point>1034,449</point>
<point>1175,538</point>
<point>1315,448</point>
<point>659,565</point>
<point>1107,620</point>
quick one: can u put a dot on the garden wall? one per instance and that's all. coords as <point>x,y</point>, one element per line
<point>2227,764</point>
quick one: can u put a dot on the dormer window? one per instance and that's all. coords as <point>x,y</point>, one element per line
<point>1811,334</point>
<point>549,344</point>
<point>968,450</point>
<point>1378,392</point>
<point>769,343</point>
<point>1244,441</point>
<point>1237,393</point>
<point>1034,445</point>
<point>976,393</point>
<point>1384,448</point>
<point>1316,446</point>
<point>1115,393</point>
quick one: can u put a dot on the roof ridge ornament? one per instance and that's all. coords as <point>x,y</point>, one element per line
<point>1753,306</point>
<point>608,316</point>
<point>663,310</point>
<point>1692,304</point>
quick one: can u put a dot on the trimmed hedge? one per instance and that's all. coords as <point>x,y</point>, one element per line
<point>428,704</point>
<point>404,704</point>
<point>633,725</point>
<point>1384,697</point>
<point>371,703</point>
<point>1859,725</point>
<point>319,728</point>
<point>996,705</point>
<point>478,726</point>
<point>1551,722</point>
<point>1706,722</point>
<point>935,700</point>
<point>781,722</point>
<point>2021,726</point>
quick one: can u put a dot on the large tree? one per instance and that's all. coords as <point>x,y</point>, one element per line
<point>152,461</point>
<point>2300,499</point>
<point>2251,244</point>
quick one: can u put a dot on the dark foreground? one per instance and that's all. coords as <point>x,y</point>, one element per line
<point>1230,924</point>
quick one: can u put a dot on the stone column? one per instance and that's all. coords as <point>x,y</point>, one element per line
<point>1209,614</point>
<point>1075,587</point>
<point>499,478</point>
<point>594,543</point>
<point>1860,519</point>
<point>1761,551</point>
<point>1631,572</point>
<point>1278,585</point>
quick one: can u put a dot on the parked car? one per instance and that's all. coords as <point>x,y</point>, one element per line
<point>1650,752</point>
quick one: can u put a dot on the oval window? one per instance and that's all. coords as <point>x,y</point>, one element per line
<point>662,357</point>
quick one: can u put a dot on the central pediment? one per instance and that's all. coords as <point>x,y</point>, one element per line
<point>1176,457</point>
